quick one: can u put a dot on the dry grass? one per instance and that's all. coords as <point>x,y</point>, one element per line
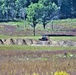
<point>10,67</point>
<point>15,63</point>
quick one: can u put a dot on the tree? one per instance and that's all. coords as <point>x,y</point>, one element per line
<point>33,14</point>
<point>34,1</point>
<point>48,11</point>
<point>66,9</point>
<point>7,9</point>
<point>73,8</point>
<point>20,7</point>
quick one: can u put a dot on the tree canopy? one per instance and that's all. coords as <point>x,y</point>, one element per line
<point>48,11</point>
<point>11,9</point>
<point>34,12</point>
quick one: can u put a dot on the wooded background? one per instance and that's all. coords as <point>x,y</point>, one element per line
<point>17,9</point>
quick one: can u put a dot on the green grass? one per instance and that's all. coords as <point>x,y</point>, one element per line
<point>21,23</point>
<point>53,37</point>
<point>4,36</point>
<point>14,23</point>
<point>63,22</point>
<point>23,37</point>
<point>38,37</point>
<point>63,38</point>
<point>67,21</point>
<point>34,48</point>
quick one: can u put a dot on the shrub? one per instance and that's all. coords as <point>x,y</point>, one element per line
<point>35,74</point>
<point>61,73</point>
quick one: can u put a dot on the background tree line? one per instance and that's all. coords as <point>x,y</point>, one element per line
<point>17,9</point>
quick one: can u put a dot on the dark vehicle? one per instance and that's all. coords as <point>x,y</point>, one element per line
<point>44,38</point>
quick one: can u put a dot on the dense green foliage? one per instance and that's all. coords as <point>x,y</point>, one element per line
<point>33,14</point>
<point>40,11</point>
<point>48,11</point>
<point>17,9</point>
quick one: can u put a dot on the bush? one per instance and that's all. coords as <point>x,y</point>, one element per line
<point>61,73</point>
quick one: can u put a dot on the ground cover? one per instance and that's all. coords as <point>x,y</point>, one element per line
<point>63,22</point>
<point>17,62</point>
<point>38,37</point>
<point>4,36</point>
<point>37,60</point>
<point>22,28</point>
<point>63,38</point>
<point>34,48</point>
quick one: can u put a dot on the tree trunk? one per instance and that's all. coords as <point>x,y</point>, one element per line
<point>44,25</point>
<point>52,26</point>
<point>34,30</point>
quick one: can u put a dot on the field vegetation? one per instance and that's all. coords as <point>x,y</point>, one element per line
<point>31,19</point>
<point>68,23</point>
<point>17,62</point>
<point>37,60</point>
<point>34,48</point>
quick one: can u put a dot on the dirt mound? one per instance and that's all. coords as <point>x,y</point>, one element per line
<point>29,41</point>
<point>20,42</point>
<point>9,41</point>
<point>1,42</point>
<point>32,42</point>
<point>66,43</point>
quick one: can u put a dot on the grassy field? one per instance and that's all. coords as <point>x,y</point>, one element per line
<point>19,60</point>
<point>64,38</point>
<point>68,23</point>
<point>34,61</point>
<point>34,48</point>
<point>38,60</point>
<point>38,37</point>
<point>4,36</point>
<point>22,28</point>
<point>29,48</point>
